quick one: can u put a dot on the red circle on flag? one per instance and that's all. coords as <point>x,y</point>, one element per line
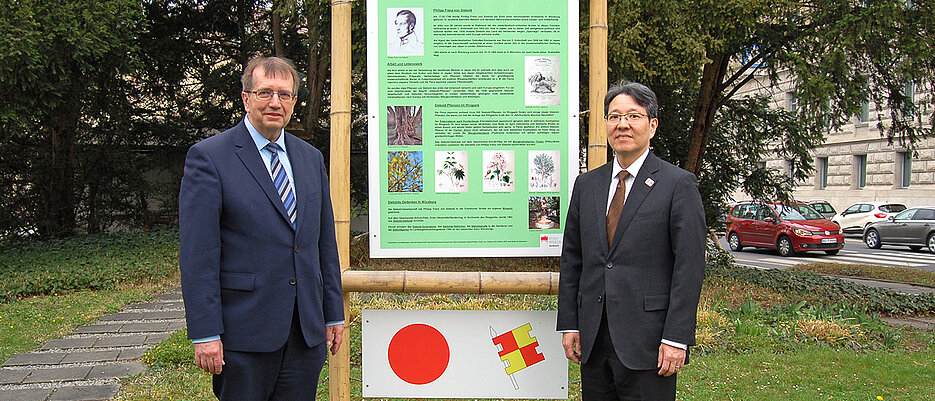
<point>418,354</point>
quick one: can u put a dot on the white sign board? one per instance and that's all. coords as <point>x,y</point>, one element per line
<point>463,354</point>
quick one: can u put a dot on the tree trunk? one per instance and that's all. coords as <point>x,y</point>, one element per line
<point>318,59</point>
<point>709,99</point>
<point>277,29</point>
<point>60,195</point>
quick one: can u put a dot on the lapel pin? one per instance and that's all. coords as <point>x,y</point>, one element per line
<point>650,182</point>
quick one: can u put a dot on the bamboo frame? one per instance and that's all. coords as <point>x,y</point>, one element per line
<point>339,377</point>
<point>597,84</point>
<point>544,283</point>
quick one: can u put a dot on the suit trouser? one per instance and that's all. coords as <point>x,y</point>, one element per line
<point>604,377</point>
<point>288,374</point>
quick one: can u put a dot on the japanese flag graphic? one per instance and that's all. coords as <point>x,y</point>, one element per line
<point>462,354</point>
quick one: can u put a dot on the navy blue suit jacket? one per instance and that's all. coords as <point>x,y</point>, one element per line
<point>243,265</point>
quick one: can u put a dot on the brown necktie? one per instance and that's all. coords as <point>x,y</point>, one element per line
<point>616,205</point>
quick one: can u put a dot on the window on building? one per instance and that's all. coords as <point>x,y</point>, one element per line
<point>860,170</point>
<point>822,176</point>
<point>909,91</point>
<point>864,116</point>
<point>904,169</point>
<point>792,104</point>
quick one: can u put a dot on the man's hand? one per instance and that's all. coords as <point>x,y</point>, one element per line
<point>334,335</point>
<point>670,360</point>
<point>209,356</point>
<point>572,344</point>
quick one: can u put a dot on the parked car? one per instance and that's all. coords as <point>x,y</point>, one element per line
<point>858,216</point>
<point>787,228</point>
<point>823,207</point>
<point>913,227</point>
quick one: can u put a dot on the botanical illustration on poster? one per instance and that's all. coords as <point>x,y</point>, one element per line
<point>451,171</point>
<point>498,171</point>
<point>542,81</point>
<point>544,168</point>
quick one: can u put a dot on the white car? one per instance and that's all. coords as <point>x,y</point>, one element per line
<point>858,216</point>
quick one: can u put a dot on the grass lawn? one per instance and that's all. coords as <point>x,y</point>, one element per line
<point>764,339</point>
<point>809,374</point>
<point>27,324</point>
<point>751,348</point>
<point>51,288</point>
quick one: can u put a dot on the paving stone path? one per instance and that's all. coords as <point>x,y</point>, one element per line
<point>88,364</point>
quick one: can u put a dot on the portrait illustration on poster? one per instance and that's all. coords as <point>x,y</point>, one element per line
<point>404,32</point>
<point>498,171</point>
<point>542,81</point>
<point>451,171</point>
<point>544,170</point>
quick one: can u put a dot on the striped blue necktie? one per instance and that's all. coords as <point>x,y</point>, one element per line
<point>281,180</point>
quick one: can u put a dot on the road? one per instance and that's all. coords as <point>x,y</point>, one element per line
<point>854,252</point>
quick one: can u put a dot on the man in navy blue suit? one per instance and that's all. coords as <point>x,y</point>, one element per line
<point>260,273</point>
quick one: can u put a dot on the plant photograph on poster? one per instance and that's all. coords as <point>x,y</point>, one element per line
<point>544,212</point>
<point>404,172</point>
<point>403,125</point>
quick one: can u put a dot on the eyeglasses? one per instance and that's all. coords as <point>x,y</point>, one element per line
<point>630,117</point>
<point>265,95</point>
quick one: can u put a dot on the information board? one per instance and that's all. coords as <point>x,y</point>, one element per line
<point>473,126</point>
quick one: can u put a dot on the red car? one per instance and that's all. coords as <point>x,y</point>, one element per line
<point>787,228</point>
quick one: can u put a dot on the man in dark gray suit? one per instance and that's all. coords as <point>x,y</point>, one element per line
<point>632,261</point>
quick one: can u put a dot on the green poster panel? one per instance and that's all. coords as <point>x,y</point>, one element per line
<point>473,126</point>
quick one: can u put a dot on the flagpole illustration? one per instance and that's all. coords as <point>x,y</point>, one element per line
<point>493,334</point>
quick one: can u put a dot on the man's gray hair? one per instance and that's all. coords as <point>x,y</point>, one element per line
<point>272,67</point>
<point>640,93</point>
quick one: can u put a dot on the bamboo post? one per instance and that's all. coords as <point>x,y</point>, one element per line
<point>544,283</point>
<point>339,366</point>
<point>597,84</point>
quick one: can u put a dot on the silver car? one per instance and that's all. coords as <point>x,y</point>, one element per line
<point>913,227</point>
<point>856,218</point>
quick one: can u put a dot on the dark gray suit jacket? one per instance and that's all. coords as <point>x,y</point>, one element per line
<point>650,276</point>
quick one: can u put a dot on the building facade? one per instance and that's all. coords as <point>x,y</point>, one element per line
<point>856,163</point>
